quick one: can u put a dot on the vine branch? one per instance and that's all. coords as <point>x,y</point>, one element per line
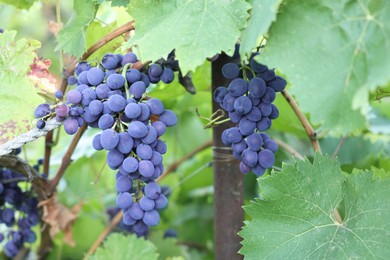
<point>66,160</point>
<point>311,133</point>
<point>289,149</point>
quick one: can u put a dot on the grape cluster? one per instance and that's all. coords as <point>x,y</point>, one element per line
<point>18,211</point>
<point>248,100</point>
<point>112,97</point>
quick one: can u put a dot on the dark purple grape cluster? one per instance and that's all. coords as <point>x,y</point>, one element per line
<point>248,100</point>
<point>18,212</point>
<point>112,97</point>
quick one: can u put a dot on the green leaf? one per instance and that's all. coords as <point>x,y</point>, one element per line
<point>166,247</point>
<point>119,246</point>
<point>333,53</point>
<point>71,39</point>
<point>196,29</point>
<point>120,2</point>
<point>18,94</point>
<point>21,4</point>
<point>312,211</point>
<point>262,15</point>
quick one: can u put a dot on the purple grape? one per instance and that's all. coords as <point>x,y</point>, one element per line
<point>10,249</point>
<point>169,118</point>
<point>62,110</point>
<point>115,81</point>
<point>156,106</point>
<point>110,61</point>
<point>228,102</point>
<point>133,110</point>
<point>102,91</point>
<point>242,105</point>
<point>255,141</point>
<point>58,94</point>
<point>96,107</point>
<point>137,89</point>
<point>146,168</point>
<point>83,78</point>
<point>161,147</point>
<point>124,200</point>
<point>82,66</point>
<point>155,70</point>
<point>264,124</point>
<point>130,164</point>
<point>220,93</point>
<point>117,103</point>
<point>239,147</point>
<point>151,218</point>
<point>126,143</point>
<point>271,145</point>
<point>246,127</point>
<point>160,127</point>
<point>114,159</point>
<point>145,79</point>
<point>265,108</point>
<point>151,136</point>
<point>97,145</point>
<point>268,75</point>
<point>72,80</point>
<point>127,219</point>
<point>156,158</point>
<point>129,58</point>
<point>257,87</point>
<point>88,95</point>
<point>42,110</point>
<point>137,129</point>
<point>144,151</point>
<point>123,184</point>
<point>230,70</point>
<point>95,76</point>
<point>161,202</point>
<point>167,76</point>
<point>135,211</point>
<point>258,170</point>
<point>266,158</point>
<point>238,87</point>
<point>274,113</point>
<point>249,157</point>
<point>133,75</point>
<point>147,204</point>
<point>152,190</point>
<point>71,125</point>
<point>109,139</point>
<point>244,168</point>
<point>106,121</point>
<point>233,135</point>
<point>145,112</point>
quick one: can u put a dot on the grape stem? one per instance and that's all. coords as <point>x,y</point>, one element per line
<point>339,145</point>
<point>118,217</point>
<point>66,160</point>
<point>289,149</point>
<point>311,133</point>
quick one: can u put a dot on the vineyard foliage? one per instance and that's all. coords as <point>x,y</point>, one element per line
<point>335,56</point>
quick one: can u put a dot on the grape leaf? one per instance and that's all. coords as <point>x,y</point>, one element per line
<point>21,4</point>
<point>196,29</point>
<point>17,110</point>
<point>71,39</point>
<point>333,53</point>
<point>119,246</point>
<point>313,211</point>
<point>262,15</point>
<point>120,2</point>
